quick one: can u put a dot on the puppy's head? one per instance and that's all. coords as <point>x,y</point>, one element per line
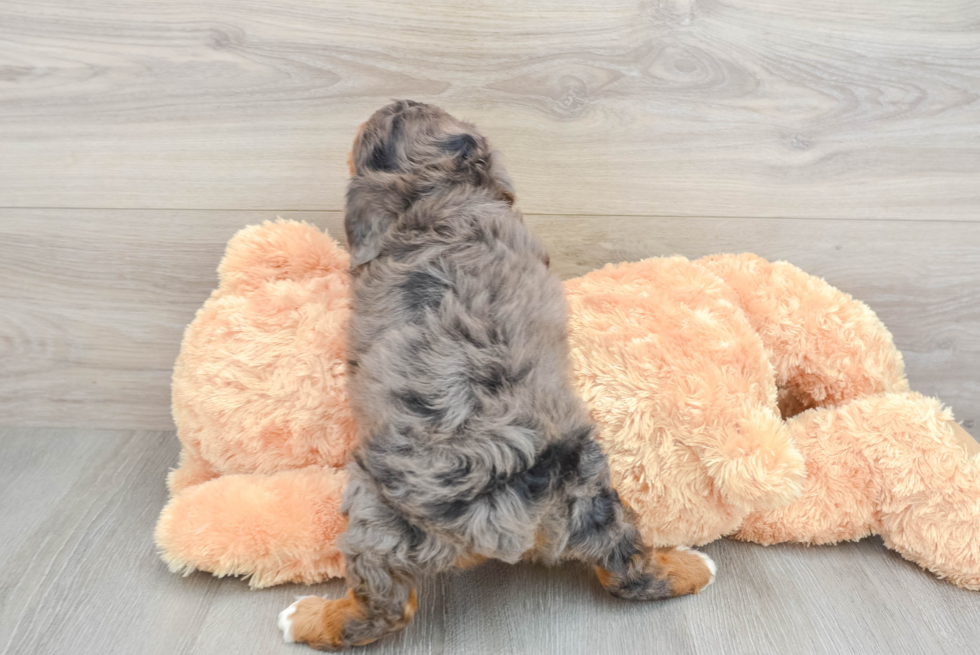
<point>407,149</point>
<point>408,137</point>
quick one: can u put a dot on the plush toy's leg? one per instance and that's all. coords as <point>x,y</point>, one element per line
<point>840,494</point>
<point>273,528</point>
<point>932,516</point>
<point>827,348</point>
<point>191,470</point>
<point>890,464</point>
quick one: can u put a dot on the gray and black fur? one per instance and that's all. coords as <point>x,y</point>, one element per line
<point>473,442</point>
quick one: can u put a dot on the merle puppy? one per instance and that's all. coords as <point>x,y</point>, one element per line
<point>473,443</point>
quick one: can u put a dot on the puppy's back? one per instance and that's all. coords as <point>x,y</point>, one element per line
<point>459,364</point>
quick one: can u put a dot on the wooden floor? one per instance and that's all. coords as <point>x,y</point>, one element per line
<point>78,574</point>
<point>136,137</point>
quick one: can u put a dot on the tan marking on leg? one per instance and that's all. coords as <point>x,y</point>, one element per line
<point>320,622</point>
<point>408,613</point>
<point>470,560</point>
<point>685,571</point>
<point>410,607</point>
<point>605,577</point>
<point>540,544</point>
<point>609,578</point>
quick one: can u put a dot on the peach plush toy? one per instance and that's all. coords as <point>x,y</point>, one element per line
<point>734,397</point>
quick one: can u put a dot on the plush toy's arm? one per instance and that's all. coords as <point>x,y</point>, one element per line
<point>826,347</point>
<point>275,528</point>
<point>752,459</point>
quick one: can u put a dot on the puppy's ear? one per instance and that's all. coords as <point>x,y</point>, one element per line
<point>366,221</point>
<point>468,152</point>
<point>499,175</point>
<point>461,146</point>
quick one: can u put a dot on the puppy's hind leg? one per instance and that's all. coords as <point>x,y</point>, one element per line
<point>603,532</point>
<point>382,552</point>
<point>652,574</point>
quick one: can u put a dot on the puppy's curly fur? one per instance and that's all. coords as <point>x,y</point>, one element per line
<point>473,443</point>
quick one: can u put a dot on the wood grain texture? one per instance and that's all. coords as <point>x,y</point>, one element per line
<point>78,573</point>
<point>825,109</point>
<point>93,303</point>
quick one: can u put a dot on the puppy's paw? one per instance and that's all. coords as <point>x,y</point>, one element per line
<point>286,621</point>
<point>320,622</point>
<point>687,571</point>
<point>710,563</point>
<point>665,573</point>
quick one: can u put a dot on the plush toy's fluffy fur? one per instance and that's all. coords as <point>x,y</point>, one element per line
<point>275,329</point>
<point>893,464</point>
<point>684,395</point>
<point>261,403</point>
<point>278,527</point>
<point>713,381</point>
<point>688,403</point>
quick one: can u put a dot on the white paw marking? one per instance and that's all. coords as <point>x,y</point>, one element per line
<point>710,563</point>
<point>286,621</point>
